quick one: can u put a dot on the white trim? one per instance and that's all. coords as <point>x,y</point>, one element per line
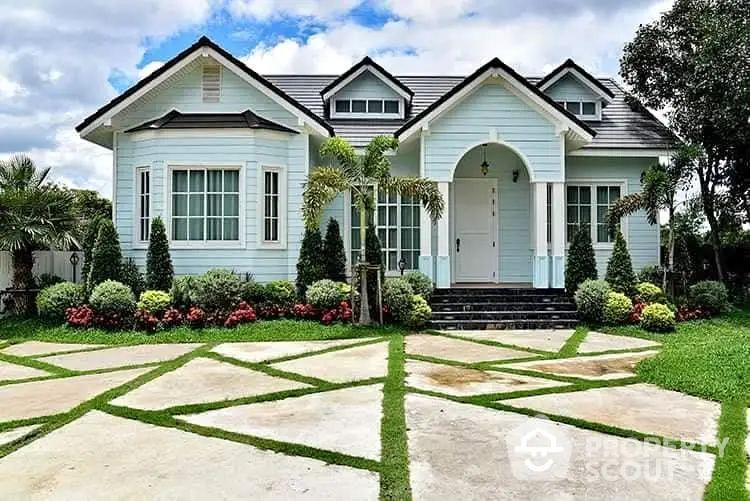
<point>145,135</point>
<point>348,229</point>
<point>524,159</point>
<point>281,244</point>
<point>558,219</point>
<point>367,114</point>
<point>622,152</point>
<point>555,115</point>
<point>306,150</point>
<point>495,224</point>
<point>401,92</point>
<point>169,166</point>
<point>138,242</point>
<point>539,214</point>
<point>594,183</point>
<point>115,152</point>
<point>597,108</point>
<point>585,81</point>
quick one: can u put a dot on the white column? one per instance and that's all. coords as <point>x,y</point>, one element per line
<point>541,263</point>
<point>442,265</point>
<point>426,259</point>
<point>558,236</point>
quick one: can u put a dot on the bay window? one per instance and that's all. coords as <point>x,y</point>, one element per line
<point>205,204</point>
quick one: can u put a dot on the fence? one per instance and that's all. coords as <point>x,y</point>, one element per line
<point>54,262</point>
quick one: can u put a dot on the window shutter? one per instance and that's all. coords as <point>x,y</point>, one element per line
<point>211,83</point>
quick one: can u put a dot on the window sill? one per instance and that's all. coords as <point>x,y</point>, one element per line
<point>202,244</point>
<point>271,246</point>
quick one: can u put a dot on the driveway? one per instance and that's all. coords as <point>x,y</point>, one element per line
<point>457,415</point>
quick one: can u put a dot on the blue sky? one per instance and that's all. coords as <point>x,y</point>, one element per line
<point>60,61</point>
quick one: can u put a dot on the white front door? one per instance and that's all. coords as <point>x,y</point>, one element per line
<point>475,241</point>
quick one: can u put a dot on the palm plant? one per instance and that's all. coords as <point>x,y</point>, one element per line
<point>358,174</point>
<point>34,214</point>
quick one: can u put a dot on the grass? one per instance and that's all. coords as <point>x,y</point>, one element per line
<point>394,473</point>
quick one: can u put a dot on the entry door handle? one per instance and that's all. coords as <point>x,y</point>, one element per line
<point>458,245</point>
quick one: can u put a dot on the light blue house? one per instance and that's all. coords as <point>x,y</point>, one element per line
<point>221,153</point>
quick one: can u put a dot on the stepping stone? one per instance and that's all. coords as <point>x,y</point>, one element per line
<point>36,348</point>
<point>9,436</point>
<point>203,380</point>
<point>596,342</point>
<point>343,366</point>
<point>90,457</point>
<point>641,407</point>
<point>12,372</point>
<point>460,381</point>
<point>346,421</point>
<point>53,396</point>
<point>120,357</point>
<point>467,452</point>
<point>461,351</point>
<point>599,367</point>
<point>262,352</point>
<point>545,340</point>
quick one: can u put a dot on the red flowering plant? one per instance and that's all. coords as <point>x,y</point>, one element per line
<point>79,316</point>
<point>686,313</point>
<point>329,316</point>
<point>172,318</point>
<point>305,312</point>
<point>635,314</point>
<point>242,315</point>
<point>147,321</point>
<point>196,317</point>
<point>345,312</point>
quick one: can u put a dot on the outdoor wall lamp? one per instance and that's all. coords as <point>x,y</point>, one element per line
<point>515,175</point>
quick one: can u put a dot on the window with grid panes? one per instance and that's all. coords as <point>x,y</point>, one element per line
<point>143,180</point>
<point>271,213</point>
<point>205,204</point>
<point>606,196</point>
<point>578,208</point>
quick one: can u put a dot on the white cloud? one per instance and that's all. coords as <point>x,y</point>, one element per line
<point>149,68</point>
<point>266,9</point>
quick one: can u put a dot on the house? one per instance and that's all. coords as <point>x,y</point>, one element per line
<point>222,153</point>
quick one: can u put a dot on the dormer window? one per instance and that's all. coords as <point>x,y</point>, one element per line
<point>585,110</point>
<point>367,108</point>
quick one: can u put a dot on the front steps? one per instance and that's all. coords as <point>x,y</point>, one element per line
<point>496,308</point>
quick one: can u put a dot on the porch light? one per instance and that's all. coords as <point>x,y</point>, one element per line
<point>515,175</point>
<point>402,265</point>
<point>485,167</point>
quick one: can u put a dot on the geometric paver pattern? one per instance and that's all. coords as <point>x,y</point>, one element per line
<point>461,351</point>
<point>545,340</point>
<point>116,357</point>
<point>263,351</point>
<point>352,364</point>
<point>596,342</point>
<point>8,436</point>
<point>597,367</point>
<point>10,372</point>
<point>37,348</point>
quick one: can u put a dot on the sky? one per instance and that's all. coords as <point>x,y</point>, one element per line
<point>60,61</point>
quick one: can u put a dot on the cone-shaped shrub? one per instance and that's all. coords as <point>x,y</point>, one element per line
<point>620,274</point>
<point>159,270</point>
<point>581,265</point>
<point>89,241</point>
<point>334,256</point>
<point>310,263</point>
<point>106,260</point>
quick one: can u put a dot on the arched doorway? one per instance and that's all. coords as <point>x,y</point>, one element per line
<point>491,217</point>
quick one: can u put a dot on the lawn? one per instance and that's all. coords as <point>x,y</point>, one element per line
<point>709,359</point>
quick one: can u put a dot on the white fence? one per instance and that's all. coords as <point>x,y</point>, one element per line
<point>54,262</point>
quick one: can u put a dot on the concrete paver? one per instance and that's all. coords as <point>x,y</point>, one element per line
<point>545,340</point>
<point>37,348</point>
<point>351,364</point>
<point>14,372</point>
<point>460,351</point>
<point>120,357</point>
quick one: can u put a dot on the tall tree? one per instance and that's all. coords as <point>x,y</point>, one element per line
<point>357,174</point>
<point>581,265</point>
<point>693,62</point>
<point>310,265</point>
<point>159,270</point>
<point>106,260</point>
<point>620,273</point>
<point>334,254</point>
<point>89,241</point>
<point>34,213</point>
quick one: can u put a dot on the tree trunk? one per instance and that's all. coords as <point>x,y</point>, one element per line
<point>364,303</point>
<point>707,197</point>
<point>23,278</point>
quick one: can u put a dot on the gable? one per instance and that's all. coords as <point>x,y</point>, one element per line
<point>366,86</point>
<point>569,88</point>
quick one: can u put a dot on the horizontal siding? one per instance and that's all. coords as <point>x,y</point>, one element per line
<point>469,122</point>
<point>569,88</point>
<point>367,86</point>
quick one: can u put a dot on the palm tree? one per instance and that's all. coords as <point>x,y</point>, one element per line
<point>659,187</point>
<point>34,214</point>
<point>358,174</point>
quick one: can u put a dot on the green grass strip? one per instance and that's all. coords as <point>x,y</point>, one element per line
<point>324,351</point>
<point>18,423</point>
<point>728,481</point>
<point>394,474</point>
<point>488,342</point>
<point>570,348</point>
<point>36,364</point>
<point>267,369</point>
<point>161,418</point>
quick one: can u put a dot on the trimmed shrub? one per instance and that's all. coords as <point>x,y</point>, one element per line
<point>182,292</point>
<point>421,283</point>
<point>617,309</point>
<point>649,292</point>
<point>55,299</point>
<point>398,295</point>
<point>334,255</point>
<point>216,290</point>
<point>325,294</point>
<point>420,313</point>
<point>652,274</point>
<point>253,293</point>
<point>581,261</point>
<point>657,318</point>
<point>131,276</point>
<point>280,293</point>
<point>159,270</point>
<point>89,241</point>
<point>156,302</point>
<point>106,260</point>
<point>591,298</point>
<point>620,274</point>
<point>709,295</point>
<point>310,265</point>
<point>111,298</point>
<point>47,279</point>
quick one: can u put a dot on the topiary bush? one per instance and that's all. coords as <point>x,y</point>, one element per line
<point>421,283</point>
<point>131,276</point>
<point>89,241</point>
<point>182,292</point>
<point>591,299</point>
<point>419,314</point>
<point>52,301</point>
<point>155,302</point>
<point>159,270</point>
<point>112,298</point>
<point>47,279</point>
<point>709,295</point>
<point>650,293</point>
<point>334,255</point>
<point>310,264</point>
<point>617,308</point>
<point>216,290</point>
<point>325,294</point>
<point>581,261</point>
<point>620,275</point>
<point>398,294</point>
<point>657,318</point>
<point>253,293</point>
<point>280,293</point>
<point>106,260</point>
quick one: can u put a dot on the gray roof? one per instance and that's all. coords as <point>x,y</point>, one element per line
<point>245,120</point>
<point>622,125</point>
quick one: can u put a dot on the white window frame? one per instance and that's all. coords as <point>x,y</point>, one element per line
<point>597,104</point>
<point>366,114</point>
<point>593,184</point>
<point>139,195</point>
<point>204,244</point>
<point>283,203</point>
